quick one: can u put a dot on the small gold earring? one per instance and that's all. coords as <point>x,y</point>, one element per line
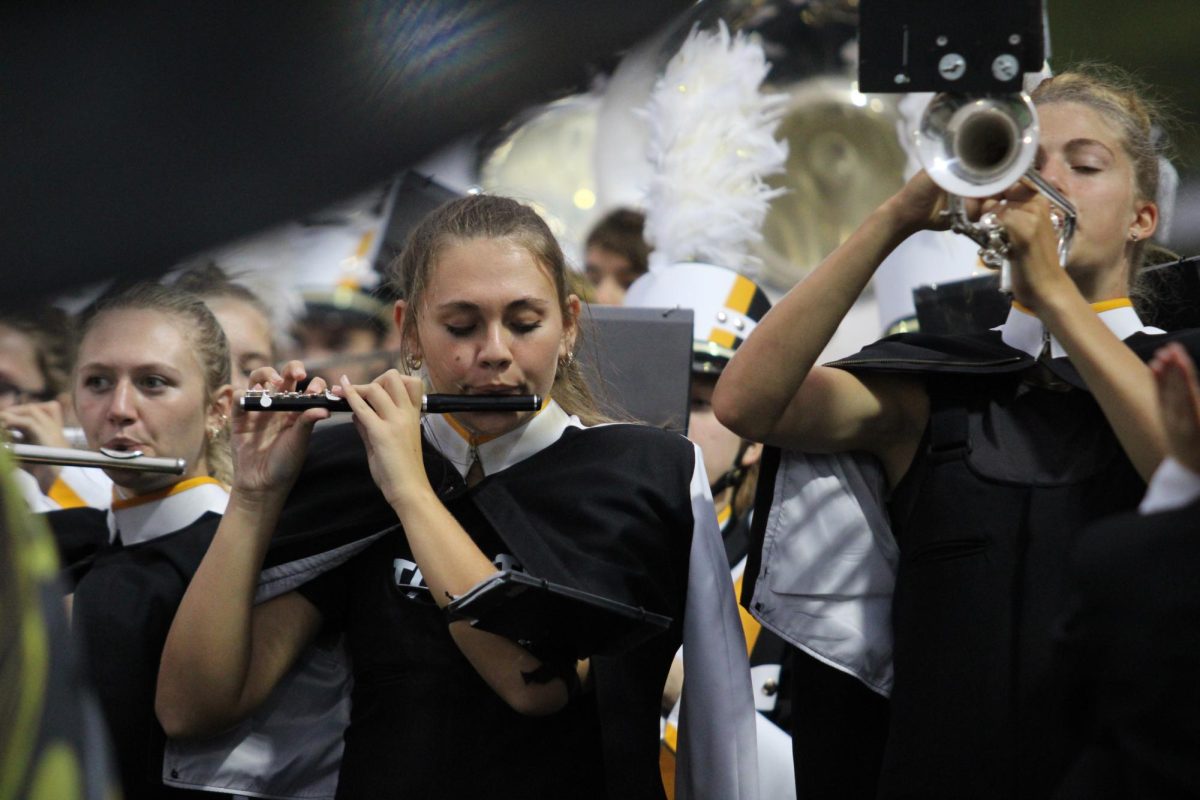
<point>413,362</point>
<point>1133,236</point>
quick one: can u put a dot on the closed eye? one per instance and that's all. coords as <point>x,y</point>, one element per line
<point>526,327</point>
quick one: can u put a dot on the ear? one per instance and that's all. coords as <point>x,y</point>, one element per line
<point>570,325</point>
<point>1145,220</point>
<point>752,455</point>
<point>221,407</point>
<point>398,312</point>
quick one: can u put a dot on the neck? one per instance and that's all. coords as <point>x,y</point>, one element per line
<point>1096,286</point>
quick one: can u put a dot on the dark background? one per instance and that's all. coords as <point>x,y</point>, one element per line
<point>132,138</point>
<point>1158,40</point>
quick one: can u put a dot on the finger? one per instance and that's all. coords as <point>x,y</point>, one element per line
<point>416,389</point>
<point>1187,374</point>
<point>1174,377</point>
<point>316,386</point>
<point>263,377</point>
<point>293,373</point>
<point>398,388</point>
<point>358,405</point>
<point>379,396</point>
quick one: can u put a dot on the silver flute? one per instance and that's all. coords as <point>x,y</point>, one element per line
<point>261,400</point>
<point>113,459</point>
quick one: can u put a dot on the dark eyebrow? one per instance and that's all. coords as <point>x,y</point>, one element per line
<point>536,303</point>
<point>140,368</point>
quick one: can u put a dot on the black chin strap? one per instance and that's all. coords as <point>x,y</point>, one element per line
<point>733,477</point>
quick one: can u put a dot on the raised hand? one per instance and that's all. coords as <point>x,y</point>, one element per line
<point>1036,271</point>
<point>40,423</point>
<point>921,204</point>
<point>268,449</point>
<point>387,413</point>
<point>1179,402</point>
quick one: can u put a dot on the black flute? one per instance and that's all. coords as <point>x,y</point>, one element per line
<point>258,400</point>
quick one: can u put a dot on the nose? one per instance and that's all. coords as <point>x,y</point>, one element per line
<point>609,292</point>
<point>1054,171</point>
<point>495,352</point>
<point>122,403</point>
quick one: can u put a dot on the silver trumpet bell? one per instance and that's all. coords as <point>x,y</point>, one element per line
<point>978,146</point>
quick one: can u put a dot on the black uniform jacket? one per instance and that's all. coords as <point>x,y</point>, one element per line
<point>605,509</point>
<point>1015,459</point>
<point>1128,656</point>
<point>125,601</point>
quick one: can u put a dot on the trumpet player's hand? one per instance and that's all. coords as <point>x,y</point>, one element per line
<point>387,413</point>
<point>923,205</point>
<point>40,424</point>
<point>269,448</point>
<point>1037,275</point>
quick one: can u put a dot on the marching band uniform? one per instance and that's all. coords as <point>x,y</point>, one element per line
<point>630,519</point>
<point>129,567</point>
<point>726,306</point>
<point>1127,650</point>
<point>1014,439</point>
<point>143,553</point>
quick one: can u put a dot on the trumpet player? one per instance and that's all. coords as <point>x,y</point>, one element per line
<point>991,451</point>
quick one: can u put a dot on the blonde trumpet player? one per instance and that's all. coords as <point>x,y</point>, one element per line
<point>991,451</point>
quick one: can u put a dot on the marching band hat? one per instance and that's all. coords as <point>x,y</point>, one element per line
<point>726,307</point>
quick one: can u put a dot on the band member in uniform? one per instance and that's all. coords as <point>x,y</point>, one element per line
<point>152,374</point>
<point>36,349</point>
<point>1127,649</point>
<point>995,448</point>
<point>623,511</point>
<point>243,316</point>
<point>726,305</point>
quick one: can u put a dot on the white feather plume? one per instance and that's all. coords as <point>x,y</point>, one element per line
<point>712,144</point>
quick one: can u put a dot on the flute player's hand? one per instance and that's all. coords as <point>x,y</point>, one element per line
<point>387,413</point>
<point>268,449</point>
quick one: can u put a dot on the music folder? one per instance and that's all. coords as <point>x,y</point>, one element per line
<point>532,610</point>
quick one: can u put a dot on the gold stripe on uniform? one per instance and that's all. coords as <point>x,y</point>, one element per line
<point>64,495</point>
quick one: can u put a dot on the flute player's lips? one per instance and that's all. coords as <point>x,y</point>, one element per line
<point>122,444</point>
<point>495,389</point>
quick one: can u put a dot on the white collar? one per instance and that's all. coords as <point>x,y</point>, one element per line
<point>140,519</point>
<point>501,452</point>
<point>1023,331</point>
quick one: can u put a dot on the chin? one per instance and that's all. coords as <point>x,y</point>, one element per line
<point>493,423</point>
<point>135,482</point>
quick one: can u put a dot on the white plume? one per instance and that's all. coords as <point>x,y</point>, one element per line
<point>712,144</point>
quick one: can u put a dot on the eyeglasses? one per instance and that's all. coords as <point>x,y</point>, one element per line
<point>12,395</point>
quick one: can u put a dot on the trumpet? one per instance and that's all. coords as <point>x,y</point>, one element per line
<point>261,400</point>
<point>978,146</point>
<point>104,457</point>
